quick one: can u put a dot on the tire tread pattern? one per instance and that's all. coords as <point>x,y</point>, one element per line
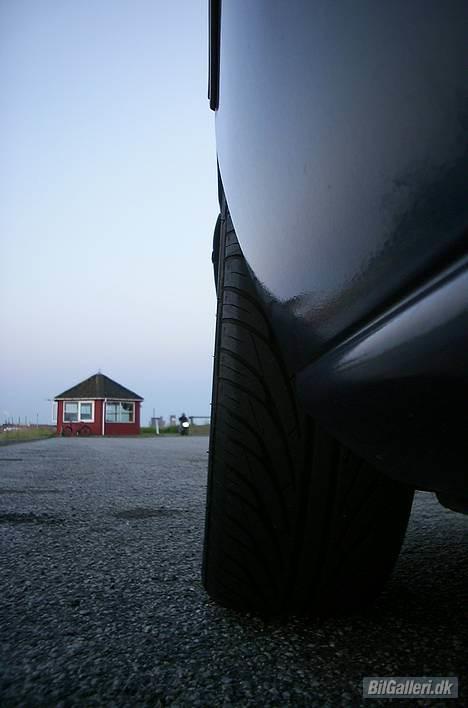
<point>295,522</point>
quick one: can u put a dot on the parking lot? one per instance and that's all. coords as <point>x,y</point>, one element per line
<point>102,604</point>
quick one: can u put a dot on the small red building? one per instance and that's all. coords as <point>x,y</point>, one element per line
<point>98,406</point>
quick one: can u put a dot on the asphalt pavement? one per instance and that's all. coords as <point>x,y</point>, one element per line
<point>101,602</point>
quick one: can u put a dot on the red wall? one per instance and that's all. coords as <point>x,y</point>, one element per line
<point>96,426</point>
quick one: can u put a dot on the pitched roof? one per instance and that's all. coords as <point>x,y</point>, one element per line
<point>99,386</point>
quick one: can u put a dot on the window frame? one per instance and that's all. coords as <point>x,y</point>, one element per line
<point>79,419</point>
<point>114,402</point>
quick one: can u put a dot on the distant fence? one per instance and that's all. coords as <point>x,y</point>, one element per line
<point>199,425</point>
<point>200,419</point>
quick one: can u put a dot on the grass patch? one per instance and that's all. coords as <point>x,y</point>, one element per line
<point>27,434</point>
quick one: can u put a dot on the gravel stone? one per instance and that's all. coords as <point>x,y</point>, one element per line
<point>101,602</point>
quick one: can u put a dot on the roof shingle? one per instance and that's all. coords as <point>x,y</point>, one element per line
<point>99,386</point>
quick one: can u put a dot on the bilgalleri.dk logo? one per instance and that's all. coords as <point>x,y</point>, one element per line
<point>410,686</point>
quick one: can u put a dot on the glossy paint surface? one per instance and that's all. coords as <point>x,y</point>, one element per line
<point>397,391</point>
<point>342,142</point>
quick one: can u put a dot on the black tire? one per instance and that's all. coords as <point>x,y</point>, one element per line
<point>295,522</point>
<point>85,431</point>
<point>67,432</point>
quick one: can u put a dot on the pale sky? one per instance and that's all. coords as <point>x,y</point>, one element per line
<point>108,201</point>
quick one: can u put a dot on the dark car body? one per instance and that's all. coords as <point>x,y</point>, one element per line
<point>342,146</point>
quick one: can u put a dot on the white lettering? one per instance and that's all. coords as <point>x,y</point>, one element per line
<point>372,687</point>
<point>391,685</point>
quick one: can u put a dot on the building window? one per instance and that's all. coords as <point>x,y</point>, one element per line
<point>78,411</point>
<point>120,412</point>
<point>70,412</point>
<point>86,411</point>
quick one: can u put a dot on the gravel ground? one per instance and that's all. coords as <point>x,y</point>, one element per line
<point>101,600</point>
